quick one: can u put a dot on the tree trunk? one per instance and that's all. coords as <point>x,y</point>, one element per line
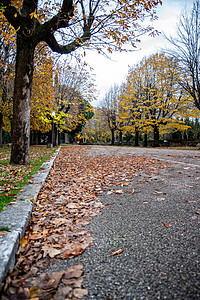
<point>22,101</point>
<point>145,140</point>
<point>136,138</point>
<point>156,136</point>
<point>37,138</point>
<point>66,141</point>
<point>120,137</point>
<point>1,130</point>
<point>113,137</point>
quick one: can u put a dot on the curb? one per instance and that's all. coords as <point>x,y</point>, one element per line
<point>17,215</point>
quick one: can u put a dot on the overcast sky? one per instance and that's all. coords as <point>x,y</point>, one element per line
<point>108,72</point>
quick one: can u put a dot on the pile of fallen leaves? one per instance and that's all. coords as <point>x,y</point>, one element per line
<point>67,203</point>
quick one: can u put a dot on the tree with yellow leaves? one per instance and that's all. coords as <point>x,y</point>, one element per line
<point>153,99</point>
<point>97,131</point>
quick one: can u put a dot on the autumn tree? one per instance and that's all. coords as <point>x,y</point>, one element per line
<point>97,130</point>
<point>154,98</point>
<point>111,107</point>
<point>7,55</point>
<point>77,24</point>
<point>185,48</point>
<point>42,92</point>
<point>74,89</point>
<point>131,112</point>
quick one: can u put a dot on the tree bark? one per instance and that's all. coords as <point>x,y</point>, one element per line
<point>22,101</point>
<point>120,137</point>
<point>145,140</point>
<point>1,130</point>
<point>113,137</point>
<point>136,138</point>
<point>156,136</point>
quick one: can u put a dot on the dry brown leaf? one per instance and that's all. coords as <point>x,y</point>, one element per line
<point>49,282</point>
<point>63,293</point>
<point>76,282</point>
<point>52,252</point>
<point>119,192</point>
<point>72,273</point>
<point>24,241</point>
<point>167,225</point>
<point>79,293</point>
<point>117,252</point>
<point>3,233</point>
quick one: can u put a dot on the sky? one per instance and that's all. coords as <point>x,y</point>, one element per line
<point>113,71</point>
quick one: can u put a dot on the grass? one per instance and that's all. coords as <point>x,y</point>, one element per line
<point>4,228</point>
<point>14,177</point>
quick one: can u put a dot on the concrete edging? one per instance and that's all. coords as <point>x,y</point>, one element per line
<point>17,215</point>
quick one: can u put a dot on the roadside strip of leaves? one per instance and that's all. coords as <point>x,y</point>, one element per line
<point>67,203</point>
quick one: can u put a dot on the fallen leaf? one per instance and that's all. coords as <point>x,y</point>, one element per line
<point>108,297</point>
<point>52,252</point>
<point>79,293</point>
<point>63,292</point>
<point>51,281</point>
<point>125,184</point>
<point>117,252</point>
<point>167,225</point>
<point>3,233</point>
<point>109,192</point>
<point>24,241</point>
<point>74,272</point>
<point>119,191</point>
<point>75,282</point>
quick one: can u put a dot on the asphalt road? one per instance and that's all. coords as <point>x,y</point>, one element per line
<point>157,227</point>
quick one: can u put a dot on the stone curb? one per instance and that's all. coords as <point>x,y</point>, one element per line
<point>16,217</point>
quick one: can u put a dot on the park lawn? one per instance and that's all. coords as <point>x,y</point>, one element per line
<point>14,177</point>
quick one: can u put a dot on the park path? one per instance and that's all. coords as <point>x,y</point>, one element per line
<point>189,157</point>
<point>149,215</point>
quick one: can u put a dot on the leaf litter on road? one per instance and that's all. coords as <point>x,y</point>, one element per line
<point>66,204</point>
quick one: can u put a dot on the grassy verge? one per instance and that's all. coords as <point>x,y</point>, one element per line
<point>14,177</point>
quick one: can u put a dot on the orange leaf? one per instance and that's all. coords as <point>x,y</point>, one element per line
<point>167,225</point>
<point>3,233</point>
<point>24,241</point>
<point>117,252</point>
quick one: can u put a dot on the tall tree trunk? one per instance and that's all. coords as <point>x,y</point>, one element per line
<point>195,129</point>
<point>120,137</point>
<point>113,137</point>
<point>37,138</point>
<point>156,136</point>
<point>136,137</point>
<point>145,140</point>
<point>22,101</point>
<point>1,130</point>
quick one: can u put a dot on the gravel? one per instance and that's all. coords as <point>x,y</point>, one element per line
<point>158,229</point>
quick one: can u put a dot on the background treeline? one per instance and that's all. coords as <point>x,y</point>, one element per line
<point>158,102</point>
<point>150,106</point>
